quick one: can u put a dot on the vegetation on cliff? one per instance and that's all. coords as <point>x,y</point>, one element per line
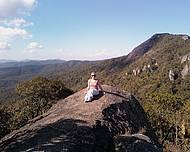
<point>36,97</point>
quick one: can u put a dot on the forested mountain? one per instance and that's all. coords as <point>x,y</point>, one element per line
<point>157,72</point>
<point>6,61</point>
<point>13,72</point>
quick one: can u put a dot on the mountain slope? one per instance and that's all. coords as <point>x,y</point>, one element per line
<point>159,78</point>
<point>76,78</point>
<point>152,69</point>
<point>12,73</point>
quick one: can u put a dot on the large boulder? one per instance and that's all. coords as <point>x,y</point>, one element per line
<point>112,122</point>
<point>185,71</point>
<point>185,58</point>
<point>171,75</point>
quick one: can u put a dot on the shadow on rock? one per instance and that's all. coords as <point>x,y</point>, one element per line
<point>65,135</point>
<point>134,144</point>
<point>116,94</point>
<point>120,122</point>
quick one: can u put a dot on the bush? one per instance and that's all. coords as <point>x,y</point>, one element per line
<point>4,122</point>
<point>37,96</point>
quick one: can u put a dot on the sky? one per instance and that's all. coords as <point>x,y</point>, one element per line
<point>85,29</point>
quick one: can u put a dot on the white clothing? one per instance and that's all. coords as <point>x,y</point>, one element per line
<point>89,95</point>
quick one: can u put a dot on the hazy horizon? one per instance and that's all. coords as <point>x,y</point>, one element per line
<point>84,30</point>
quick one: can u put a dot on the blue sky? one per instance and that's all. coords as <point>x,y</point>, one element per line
<point>85,29</point>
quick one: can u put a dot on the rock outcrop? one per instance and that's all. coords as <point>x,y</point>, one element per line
<point>112,122</point>
<point>185,71</point>
<point>185,58</point>
<point>185,61</point>
<point>171,75</point>
<point>185,37</point>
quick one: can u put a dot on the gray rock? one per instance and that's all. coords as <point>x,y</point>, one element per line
<point>144,68</point>
<point>184,59</point>
<point>185,71</point>
<point>188,58</point>
<point>134,72</point>
<point>138,71</point>
<point>171,75</point>
<point>185,37</point>
<point>135,143</point>
<point>74,126</point>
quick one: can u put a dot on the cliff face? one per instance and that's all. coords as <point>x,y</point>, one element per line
<point>112,122</point>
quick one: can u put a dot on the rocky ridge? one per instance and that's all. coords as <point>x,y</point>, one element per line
<point>112,122</point>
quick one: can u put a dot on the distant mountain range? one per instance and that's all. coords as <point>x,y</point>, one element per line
<point>160,47</point>
<point>13,72</point>
<point>13,63</point>
<point>6,61</point>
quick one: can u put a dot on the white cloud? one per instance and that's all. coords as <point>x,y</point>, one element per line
<point>16,22</point>
<point>9,33</point>
<point>12,22</point>
<point>12,8</point>
<point>5,46</point>
<point>33,47</point>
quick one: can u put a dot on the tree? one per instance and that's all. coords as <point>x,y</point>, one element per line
<point>166,111</point>
<point>4,122</point>
<point>38,95</point>
<point>42,88</point>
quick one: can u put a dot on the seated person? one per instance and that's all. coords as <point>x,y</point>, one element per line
<point>94,88</point>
